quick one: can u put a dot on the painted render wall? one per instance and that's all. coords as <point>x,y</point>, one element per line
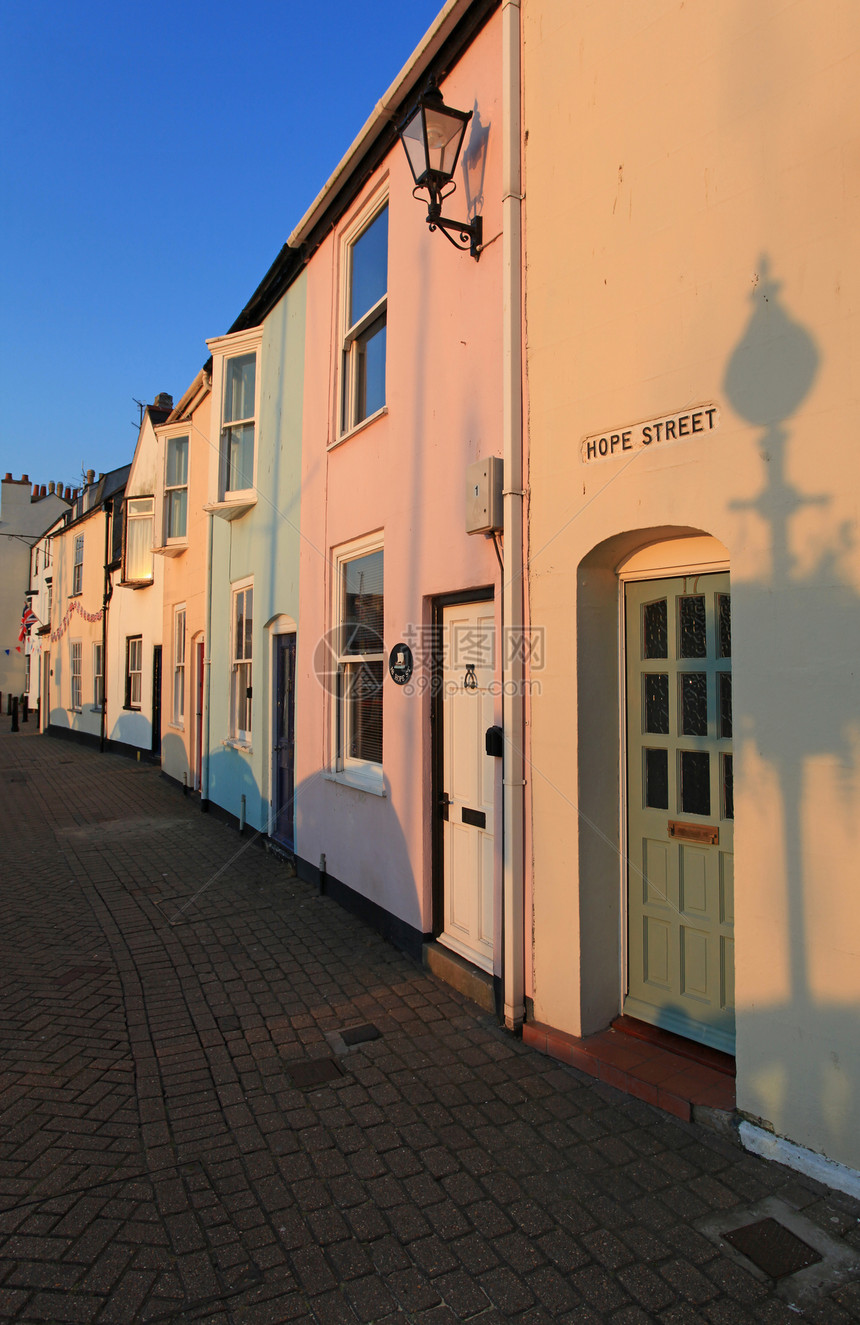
<point>264,544</point>
<point>184,582</point>
<point>19,515</point>
<point>65,630</point>
<point>692,181</point>
<point>402,473</point>
<point>135,611</point>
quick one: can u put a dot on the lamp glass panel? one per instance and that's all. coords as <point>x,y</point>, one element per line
<point>444,136</point>
<point>412,136</point>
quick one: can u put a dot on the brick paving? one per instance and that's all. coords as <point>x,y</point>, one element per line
<point>158,1161</point>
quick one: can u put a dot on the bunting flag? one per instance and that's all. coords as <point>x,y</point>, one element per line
<point>74,606</point>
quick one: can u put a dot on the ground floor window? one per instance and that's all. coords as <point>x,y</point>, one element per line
<point>133,671</point>
<point>242,618</point>
<point>76,676</point>
<point>179,666</point>
<point>98,677</point>
<point>361,658</point>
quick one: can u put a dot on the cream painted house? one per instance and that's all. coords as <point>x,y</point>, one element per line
<point>26,511</point>
<point>134,622</point>
<point>692,179</point>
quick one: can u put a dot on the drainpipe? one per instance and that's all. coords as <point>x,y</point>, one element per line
<point>106,596</point>
<point>513,932</point>
<point>207,657</point>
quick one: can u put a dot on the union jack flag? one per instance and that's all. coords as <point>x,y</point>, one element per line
<point>28,620</point>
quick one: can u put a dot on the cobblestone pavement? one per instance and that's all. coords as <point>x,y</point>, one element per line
<point>160,1162</point>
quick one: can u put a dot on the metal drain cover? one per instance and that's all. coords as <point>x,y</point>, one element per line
<point>313,1072</point>
<point>359,1034</point>
<point>772,1247</point>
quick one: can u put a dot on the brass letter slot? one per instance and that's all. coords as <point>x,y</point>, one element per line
<point>705,833</point>
<point>477,818</point>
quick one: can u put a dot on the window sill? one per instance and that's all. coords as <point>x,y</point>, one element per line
<point>367,779</point>
<point>359,427</point>
<point>171,549</point>
<point>232,508</point>
<point>176,726</point>
<point>136,584</point>
<point>232,743</point>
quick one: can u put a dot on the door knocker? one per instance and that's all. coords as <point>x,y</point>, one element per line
<point>470,681</point>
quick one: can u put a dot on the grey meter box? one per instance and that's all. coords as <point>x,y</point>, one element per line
<point>484,496</point>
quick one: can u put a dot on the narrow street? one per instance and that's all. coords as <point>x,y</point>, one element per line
<point>187,1133</point>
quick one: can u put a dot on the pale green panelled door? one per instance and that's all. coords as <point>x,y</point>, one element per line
<point>680,808</point>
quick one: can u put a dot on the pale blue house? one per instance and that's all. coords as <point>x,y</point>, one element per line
<point>254,513</point>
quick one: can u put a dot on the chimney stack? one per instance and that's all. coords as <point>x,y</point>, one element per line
<point>163,401</point>
<point>91,473</point>
<point>51,487</point>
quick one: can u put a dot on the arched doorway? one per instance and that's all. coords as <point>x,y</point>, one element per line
<point>678,773</point>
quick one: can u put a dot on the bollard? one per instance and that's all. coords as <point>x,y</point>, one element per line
<point>25,708</point>
<point>15,714</point>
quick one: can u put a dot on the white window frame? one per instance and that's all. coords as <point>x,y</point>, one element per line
<point>180,651</point>
<point>76,653</point>
<point>133,673</point>
<point>232,504</point>
<point>98,676</point>
<point>138,518</point>
<point>176,540</point>
<point>78,567</point>
<point>350,336</point>
<point>241,669</point>
<point>364,774</point>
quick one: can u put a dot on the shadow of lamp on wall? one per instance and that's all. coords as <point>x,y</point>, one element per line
<point>802,717</point>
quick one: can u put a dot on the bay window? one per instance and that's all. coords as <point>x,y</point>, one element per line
<point>176,488</point>
<point>239,422</point>
<point>138,539</point>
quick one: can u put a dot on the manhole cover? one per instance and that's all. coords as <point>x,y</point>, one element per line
<point>359,1034</point>
<point>773,1248</point>
<point>315,1072</point>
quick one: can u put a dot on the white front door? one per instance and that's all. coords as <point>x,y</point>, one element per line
<point>468,772</point>
<point>680,807</point>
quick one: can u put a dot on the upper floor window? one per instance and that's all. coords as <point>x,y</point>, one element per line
<point>365,315</point>
<point>239,422</point>
<point>50,603</point>
<point>138,538</point>
<point>176,488</point>
<point>36,562</point>
<point>78,568</point>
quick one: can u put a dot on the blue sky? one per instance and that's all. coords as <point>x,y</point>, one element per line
<point>154,157</point>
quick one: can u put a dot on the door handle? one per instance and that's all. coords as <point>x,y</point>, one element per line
<point>444,802</point>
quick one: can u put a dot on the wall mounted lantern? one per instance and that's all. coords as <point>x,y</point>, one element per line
<point>432,136</point>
